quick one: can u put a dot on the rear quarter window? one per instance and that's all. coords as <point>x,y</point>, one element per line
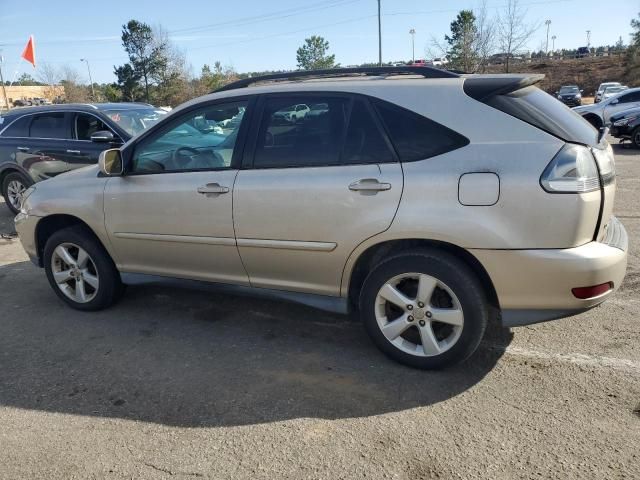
<point>416,137</point>
<point>16,127</point>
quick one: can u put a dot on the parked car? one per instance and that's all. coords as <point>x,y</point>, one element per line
<point>583,52</point>
<point>599,114</point>
<point>21,102</point>
<point>37,143</point>
<point>613,90</point>
<point>438,62</point>
<point>402,202</point>
<point>626,125</point>
<point>292,113</point>
<point>570,95</point>
<point>601,88</point>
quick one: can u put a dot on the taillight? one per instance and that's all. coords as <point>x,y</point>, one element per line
<point>572,170</point>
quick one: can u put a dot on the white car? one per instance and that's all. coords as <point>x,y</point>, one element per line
<point>601,89</point>
<point>612,91</point>
<point>599,114</point>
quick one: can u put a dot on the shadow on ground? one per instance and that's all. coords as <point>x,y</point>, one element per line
<point>193,358</point>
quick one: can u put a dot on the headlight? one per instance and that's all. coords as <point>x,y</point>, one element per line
<point>624,121</point>
<point>603,154</point>
<point>27,193</point>
<point>578,95</point>
<point>572,170</point>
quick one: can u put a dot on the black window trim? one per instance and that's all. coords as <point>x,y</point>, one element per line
<point>248,160</point>
<point>168,123</point>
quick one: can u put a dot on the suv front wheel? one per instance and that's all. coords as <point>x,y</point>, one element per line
<point>80,271</point>
<point>425,309</point>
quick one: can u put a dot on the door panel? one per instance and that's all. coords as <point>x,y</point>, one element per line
<point>172,213</point>
<point>297,226</point>
<point>160,224</point>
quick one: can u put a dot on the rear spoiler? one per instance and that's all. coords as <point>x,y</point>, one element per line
<point>483,87</point>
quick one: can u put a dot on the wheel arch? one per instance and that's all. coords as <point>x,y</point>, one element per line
<point>10,168</point>
<point>50,224</point>
<point>375,253</point>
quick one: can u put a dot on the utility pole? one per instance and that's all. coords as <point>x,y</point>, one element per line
<point>413,45</point>
<point>553,44</point>
<point>93,93</point>
<point>379,36</point>
<point>4,90</point>
<point>588,38</point>
<point>548,24</point>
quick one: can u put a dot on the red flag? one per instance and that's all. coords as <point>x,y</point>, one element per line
<point>29,53</point>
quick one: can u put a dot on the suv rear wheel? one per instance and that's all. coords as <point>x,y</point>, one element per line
<point>425,309</point>
<point>13,187</point>
<point>80,271</point>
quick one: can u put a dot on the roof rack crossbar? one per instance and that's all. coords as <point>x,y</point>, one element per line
<point>426,72</point>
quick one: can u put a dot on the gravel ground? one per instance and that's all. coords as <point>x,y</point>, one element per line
<point>176,383</point>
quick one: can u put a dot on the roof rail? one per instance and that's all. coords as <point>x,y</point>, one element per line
<point>426,72</point>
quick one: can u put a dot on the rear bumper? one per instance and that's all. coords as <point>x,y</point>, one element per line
<point>535,285</point>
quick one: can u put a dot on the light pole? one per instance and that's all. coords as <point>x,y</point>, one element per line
<point>553,44</point>
<point>413,45</point>
<point>548,24</point>
<point>4,90</point>
<point>379,36</point>
<point>93,93</point>
<point>588,38</point>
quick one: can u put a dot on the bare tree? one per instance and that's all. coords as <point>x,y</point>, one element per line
<point>513,31</point>
<point>485,43</point>
<point>74,91</point>
<point>51,76</point>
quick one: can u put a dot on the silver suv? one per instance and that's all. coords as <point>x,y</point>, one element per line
<point>425,200</point>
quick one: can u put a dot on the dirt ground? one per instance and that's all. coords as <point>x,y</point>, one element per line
<point>175,383</point>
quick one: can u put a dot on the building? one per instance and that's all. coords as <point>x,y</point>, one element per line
<point>20,92</point>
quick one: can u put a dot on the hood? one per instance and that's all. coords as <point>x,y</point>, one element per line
<point>90,171</point>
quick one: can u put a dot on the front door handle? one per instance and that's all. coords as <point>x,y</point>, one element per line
<point>74,152</point>
<point>369,185</point>
<point>212,188</point>
<point>23,149</point>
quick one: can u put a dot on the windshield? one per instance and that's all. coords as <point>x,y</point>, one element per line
<point>569,90</point>
<point>134,121</point>
<point>612,90</point>
<point>604,86</point>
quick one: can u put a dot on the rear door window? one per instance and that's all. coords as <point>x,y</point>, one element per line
<point>365,142</point>
<point>49,125</point>
<point>416,137</point>
<point>305,138</point>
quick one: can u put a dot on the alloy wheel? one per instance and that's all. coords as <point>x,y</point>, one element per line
<point>419,314</point>
<point>74,272</point>
<point>15,191</point>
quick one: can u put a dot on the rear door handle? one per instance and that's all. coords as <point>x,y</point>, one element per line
<point>74,152</point>
<point>369,185</point>
<point>212,188</point>
<point>23,149</point>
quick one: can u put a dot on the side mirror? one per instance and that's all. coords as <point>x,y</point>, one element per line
<point>581,90</point>
<point>103,136</point>
<point>614,101</point>
<point>110,162</point>
<point>557,92</point>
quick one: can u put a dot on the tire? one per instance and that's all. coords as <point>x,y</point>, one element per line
<point>10,183</point>
<point>458,298</point>
<point>102,285</point>
<point>635,137</point>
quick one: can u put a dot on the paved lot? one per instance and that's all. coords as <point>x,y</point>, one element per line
<point>174,383</point>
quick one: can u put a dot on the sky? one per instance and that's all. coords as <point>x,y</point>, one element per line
<point>254,35</point>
